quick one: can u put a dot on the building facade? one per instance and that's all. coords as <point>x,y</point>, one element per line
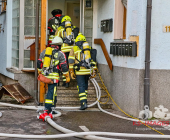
<point>128,23</point>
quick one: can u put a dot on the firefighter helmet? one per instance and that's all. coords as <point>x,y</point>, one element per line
<point>56,11</point>
<point>57,41</point>
<point>80,37</point>
<point>65,18</point>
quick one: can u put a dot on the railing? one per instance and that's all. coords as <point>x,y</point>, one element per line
<point>101,43</point>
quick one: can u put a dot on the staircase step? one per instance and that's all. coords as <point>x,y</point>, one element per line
<point>61,99</point>
<point>72,104</point>
<point>69,97</point>
<point>74,95</point>
<point>65,99</point>
<point>72,88</point>
<point>74,91</point>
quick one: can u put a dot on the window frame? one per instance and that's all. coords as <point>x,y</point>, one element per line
<point>3,6</point>
<point>120,17</point>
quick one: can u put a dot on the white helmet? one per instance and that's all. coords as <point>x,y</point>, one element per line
<point>57,41</point>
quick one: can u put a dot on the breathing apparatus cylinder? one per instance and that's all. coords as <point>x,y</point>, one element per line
<point>47,58</point>
<point>86,53</point>
<point>68,28</point>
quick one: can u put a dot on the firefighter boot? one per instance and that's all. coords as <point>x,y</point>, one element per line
<point>83,106</point>
<point>64,84</point>
<point>67,85</point>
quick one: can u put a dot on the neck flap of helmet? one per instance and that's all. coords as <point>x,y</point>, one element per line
<point>80,44</point>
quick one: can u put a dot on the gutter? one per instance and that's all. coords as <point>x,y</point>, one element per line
<point>147,60</point>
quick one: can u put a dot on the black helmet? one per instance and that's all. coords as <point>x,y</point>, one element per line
<point>56,11</point>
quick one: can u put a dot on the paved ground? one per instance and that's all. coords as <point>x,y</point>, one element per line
<point>19,121</point>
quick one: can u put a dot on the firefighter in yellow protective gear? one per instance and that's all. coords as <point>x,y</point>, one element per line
<point>50,62</point>
<point>68,33</point>
<point>82,64</point>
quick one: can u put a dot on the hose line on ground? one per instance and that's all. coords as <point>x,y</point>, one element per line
<point>133,118</point>
<point>88,135</point>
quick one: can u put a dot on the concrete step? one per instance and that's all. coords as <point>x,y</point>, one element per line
<point>73,83</point>
<point>72,88</point>
<point>97,77</point>
<point>69,96</point>
<point>77,101</point>
<point>74,95</point>
<point>68,91</point>
<point>74,99</point>
<point>89,98</point>
<point>73,104</point>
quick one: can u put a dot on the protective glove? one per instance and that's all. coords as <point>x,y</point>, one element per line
<point>67,77</point>
<point>39,71</point>
<point>93,74</point>
<point>73,76</point>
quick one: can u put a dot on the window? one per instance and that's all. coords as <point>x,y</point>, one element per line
<point>88,21</point>
<point>29,28</point>
<point>3,6</point>
<point>29,17</point>
<point>15,33</point>
<point>124,2</point>
<point>120,19</point>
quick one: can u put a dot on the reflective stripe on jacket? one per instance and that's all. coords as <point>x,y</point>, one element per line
<point>74,56</point>
<point>59,58</point>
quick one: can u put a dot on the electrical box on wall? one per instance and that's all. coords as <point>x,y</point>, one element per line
<point>107,25</point>
<point>88,4</point>
<point>124,48</point>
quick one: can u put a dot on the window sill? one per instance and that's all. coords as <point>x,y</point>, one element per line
<point>12,70</point>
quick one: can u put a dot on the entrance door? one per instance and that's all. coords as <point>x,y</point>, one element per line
<point>73,10</point>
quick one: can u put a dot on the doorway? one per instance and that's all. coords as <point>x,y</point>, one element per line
<point>72,9</point>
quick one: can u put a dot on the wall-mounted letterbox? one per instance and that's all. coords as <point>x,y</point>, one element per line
<point>107,25</point>
<point>124,48</point>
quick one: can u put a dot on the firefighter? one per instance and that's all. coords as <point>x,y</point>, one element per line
<point>82,66</point>
<point>49,64</point>
<point>68,33</point>
<point>53,24</point>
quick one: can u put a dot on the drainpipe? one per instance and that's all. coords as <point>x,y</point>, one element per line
<point>147,60</point>
<point>36,52</point>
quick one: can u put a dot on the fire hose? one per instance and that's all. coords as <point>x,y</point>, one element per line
<point>84,135</point>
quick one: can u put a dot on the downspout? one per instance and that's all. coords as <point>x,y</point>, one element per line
<point>36,52</point>
<point>147,60</point>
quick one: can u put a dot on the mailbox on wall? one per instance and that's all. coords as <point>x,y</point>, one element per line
<point>107,25</point>
<point>126,48</point>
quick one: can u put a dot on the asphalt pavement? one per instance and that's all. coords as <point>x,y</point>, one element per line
<point>20,121</point>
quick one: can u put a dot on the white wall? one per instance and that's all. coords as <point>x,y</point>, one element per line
<point>6,41</point>
<point>160,41</point>
<point>136,25</point>
<point>102,9</point>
